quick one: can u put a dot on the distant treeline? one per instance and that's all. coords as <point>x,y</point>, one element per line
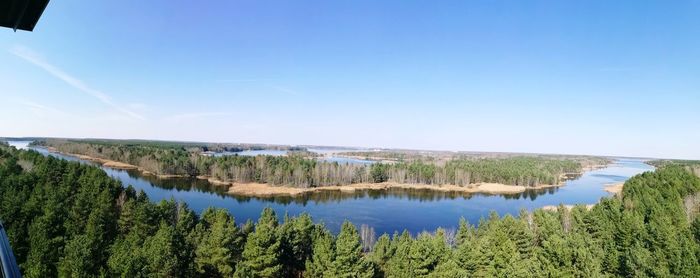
<point>188,146</point>
<point>301,171</point>
<point>691,165</point>
<point>66,219</point>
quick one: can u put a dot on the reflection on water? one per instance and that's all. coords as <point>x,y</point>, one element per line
<point>324,196</point>
<point>386,210</point>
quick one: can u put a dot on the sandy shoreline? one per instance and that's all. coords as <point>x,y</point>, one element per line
<point>614,188</point>
<point>261,189</point>
<point>568,207</point>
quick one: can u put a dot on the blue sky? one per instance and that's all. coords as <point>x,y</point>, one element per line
<point>580,77</point>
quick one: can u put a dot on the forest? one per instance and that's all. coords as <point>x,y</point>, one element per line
<point>66,219</point>
<point>299,170</point>
<point>690,165</point>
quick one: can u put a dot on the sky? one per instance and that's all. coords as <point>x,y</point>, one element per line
<point>572,77</point>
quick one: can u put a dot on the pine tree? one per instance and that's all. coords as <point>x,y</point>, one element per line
<point>448,269</point>
<point>382,252</point>
<point>78,260</point>
<point>219,244</point>
<point>127,259</point>
<point>262,249</point>
<point>399,265</point>
<point>349,261</point>
<point>296,243</point>
<point>45,237</point>
<point>426,253</point>
<point>323,255</point>
<point>160,254</point>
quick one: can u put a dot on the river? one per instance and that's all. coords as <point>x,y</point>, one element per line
<point>384,210</point>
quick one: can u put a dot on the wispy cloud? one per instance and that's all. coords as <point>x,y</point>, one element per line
<point>191,116</point>
<point>31,57</point>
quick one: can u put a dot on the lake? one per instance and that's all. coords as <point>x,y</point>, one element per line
<point>384,210</point>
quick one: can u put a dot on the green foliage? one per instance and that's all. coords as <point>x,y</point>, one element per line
<point>323,255</point>
<point>378,172</point>
<point>383,250</point>
<point>349,261</point>
<point>71,220</point>
<point>218,244</point>
<point>261,256</point>
<point>426,252</point>
<point>159,252</point>
<point>296,243</point>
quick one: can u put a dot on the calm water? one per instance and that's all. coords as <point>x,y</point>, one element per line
<point>385,210</point>
<point>346,160</point>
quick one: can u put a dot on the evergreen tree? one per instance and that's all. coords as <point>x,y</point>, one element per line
<point>127,258</point>
<point>78,260</point>
<point>448,269</point>
<point>399,265</point>
<point>382,252</point>
<point>219,244</point>
<point>349,260</point>
<point>261,255</point>
<point>67,219</point>
<point>46,239</point>
<point>296,243</point>
<point>323,255</point>
<point>160,254</point>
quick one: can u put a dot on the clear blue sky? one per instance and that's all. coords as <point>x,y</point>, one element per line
<point>582,77</point>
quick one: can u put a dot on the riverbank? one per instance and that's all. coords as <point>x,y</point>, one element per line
<point>115,164</point>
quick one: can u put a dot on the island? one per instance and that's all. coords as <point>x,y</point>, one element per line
<point>301,171</point>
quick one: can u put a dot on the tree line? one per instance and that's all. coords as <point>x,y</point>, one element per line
<point>68,219</point>
<point>299,170</point>
<point>690,165</point>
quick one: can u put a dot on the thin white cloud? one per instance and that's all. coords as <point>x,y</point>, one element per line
<point>191,116</point>
<point>31,57</point>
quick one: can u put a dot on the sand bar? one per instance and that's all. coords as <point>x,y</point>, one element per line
<point>614,187</point>
<point>568,207</point>
<point>261,189</point>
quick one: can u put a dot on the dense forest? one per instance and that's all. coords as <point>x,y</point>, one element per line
<point>690,165</point>
<point>299,170</point>
<point>71,220</point>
